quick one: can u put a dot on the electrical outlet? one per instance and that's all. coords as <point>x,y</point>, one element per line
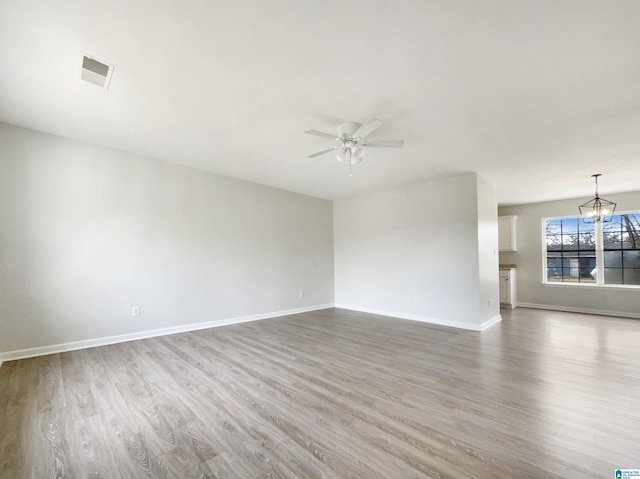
<point>301,294</point>
<point>607,295</point>
<point>489,303</point>
<point>135,311</point>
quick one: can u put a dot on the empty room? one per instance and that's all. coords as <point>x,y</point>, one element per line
<point>319,239</point>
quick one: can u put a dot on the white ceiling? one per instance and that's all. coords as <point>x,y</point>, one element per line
<point>535,96</point>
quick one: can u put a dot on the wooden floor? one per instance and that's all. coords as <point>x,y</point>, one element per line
<point>334,394</point>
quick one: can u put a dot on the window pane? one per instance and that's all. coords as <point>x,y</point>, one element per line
<point>554,274</point>
<point>574,268</point>
<point>570,242</point>
<point>586,266</point>
<point>570,225</point>
<point>624,228</point>
<point>631,259</point>
<point>632,225</point>
<point>554,260</point>
<point>587,241</point>
<point>614,225</point>
<point>611,240</point>
<point>554,227</point>
<point>553,242</point>
<point>613,259</point>
<point>588,269</point>
<point>613,276</point>
<point>631,276</point>
<point>554,267</point>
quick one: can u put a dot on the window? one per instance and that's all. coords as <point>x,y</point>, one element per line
<point>621,240</point>
<point>577,251</point>
<point>571,251</point>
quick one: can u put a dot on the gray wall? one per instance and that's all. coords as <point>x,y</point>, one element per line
<point>86,233</point>
<point>416,252</point>
<point>530,289</point>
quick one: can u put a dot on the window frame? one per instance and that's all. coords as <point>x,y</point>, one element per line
<point>599,250</point>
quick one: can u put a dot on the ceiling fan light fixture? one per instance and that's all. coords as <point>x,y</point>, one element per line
<point>356,155</point>
<point>597,209</point>
<point>351,140</point>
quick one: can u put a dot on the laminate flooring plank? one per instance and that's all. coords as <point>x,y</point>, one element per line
<point>327,412</point>
<point>265,387</point>
<point>174,368</point>
<point>242,427</point>
<point>165,431</point>
<point>133,457</point>
<point>89,447</point>
<point>279,471</point>
<point>366,427</point>
<point>14,383</point>
<point>97,373</point>
<point>19,380</point>
<point>257,444</point>
<point>333,394</point>
<point>49,390</point>
<point>77,384</point>
<point>112,367</point>
<point>13,456</point>
<point>50,453</point>
<point>231,425</point>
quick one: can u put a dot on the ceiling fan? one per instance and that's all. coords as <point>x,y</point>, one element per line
<point>352,138</point>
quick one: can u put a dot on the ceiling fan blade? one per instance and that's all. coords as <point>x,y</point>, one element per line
<point>369,127</point>
<point>322,152</point>
<point>323,135</point>
<point>384,143</point>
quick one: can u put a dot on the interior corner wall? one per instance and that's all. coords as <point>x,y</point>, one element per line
<point>531,291</point>
<point>86,233</point>
<point>413,252</point>
<point>488,258</point>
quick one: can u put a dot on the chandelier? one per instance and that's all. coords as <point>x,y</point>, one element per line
<point>598,209</point>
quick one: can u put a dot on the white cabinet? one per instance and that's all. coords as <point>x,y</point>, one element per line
<point>508,287</point>
<point>507,233</point>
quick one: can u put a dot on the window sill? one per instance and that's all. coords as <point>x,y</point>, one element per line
<point>613,287</point>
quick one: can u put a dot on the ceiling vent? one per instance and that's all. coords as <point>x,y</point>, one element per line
<point>96,72</point>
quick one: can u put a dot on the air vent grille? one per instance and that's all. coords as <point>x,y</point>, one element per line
<point>96,72</point>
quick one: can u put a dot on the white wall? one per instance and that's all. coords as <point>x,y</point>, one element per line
<point>530,289</point>
<point>425,252</point>
<point>488,259</point>
<point>86,233</point>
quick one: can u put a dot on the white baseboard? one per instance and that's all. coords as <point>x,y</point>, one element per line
<point>490,322</point>
<point>425,319</point>
<point>569,309</point>
<point>104,341</point>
